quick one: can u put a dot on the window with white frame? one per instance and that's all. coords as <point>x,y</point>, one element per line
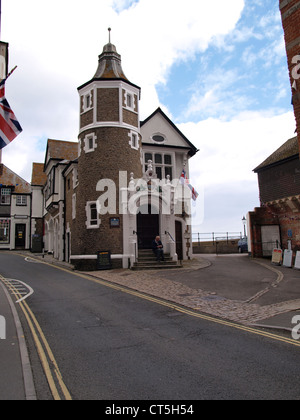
<point>75,178</point>
<point>74,206</point>
<point>90,143</point>
<point>87,102</point>
<point>134,140</point>
<point>5,196</point>
<point>21,200</point>
<point>129,101</point>
<point>93,220</point>
<point>163,164</point>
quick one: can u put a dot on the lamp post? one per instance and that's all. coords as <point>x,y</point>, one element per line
<point>244,220</point>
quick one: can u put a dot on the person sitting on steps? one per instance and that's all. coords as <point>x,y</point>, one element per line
<point>157,247</point>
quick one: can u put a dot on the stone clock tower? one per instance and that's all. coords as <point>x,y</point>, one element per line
<point>109,152</point>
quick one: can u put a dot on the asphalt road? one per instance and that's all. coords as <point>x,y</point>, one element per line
<point>111,345</point>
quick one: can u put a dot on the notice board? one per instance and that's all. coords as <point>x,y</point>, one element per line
<point>103,260</point>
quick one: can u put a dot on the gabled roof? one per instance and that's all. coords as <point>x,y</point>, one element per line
<point>8,178</point>
<point>61,150</point>
<point>289,150</point>
<point>192,149</point>
<point>38,177</point>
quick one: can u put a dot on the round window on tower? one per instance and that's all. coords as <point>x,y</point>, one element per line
<point>158,138</point>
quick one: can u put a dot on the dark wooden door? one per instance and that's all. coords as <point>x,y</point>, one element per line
<point>147,228</point>
<point>20,241</point>
<point>179,245</point>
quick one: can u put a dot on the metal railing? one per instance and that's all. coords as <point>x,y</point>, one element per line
<point>216,237</point>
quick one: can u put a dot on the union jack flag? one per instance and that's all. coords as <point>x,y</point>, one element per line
<point>9,125</point>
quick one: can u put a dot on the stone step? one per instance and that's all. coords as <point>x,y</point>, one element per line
<point>157,266</point>
<point>152,258</point>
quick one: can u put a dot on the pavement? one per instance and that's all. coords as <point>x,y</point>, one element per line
<point>237,288</point>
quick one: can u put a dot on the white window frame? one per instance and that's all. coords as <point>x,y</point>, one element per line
<point>89,221</point>
<point>162,165</point>
<point>87,102</point>
<point>130,100</point>
<point>75,178</point>
<point>21,200</point>
<point>134,141</point>
<point>87,143</point>
<point>5,196</point>
<point>74,206</point>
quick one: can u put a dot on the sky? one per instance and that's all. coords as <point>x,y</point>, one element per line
<point>218,69</point>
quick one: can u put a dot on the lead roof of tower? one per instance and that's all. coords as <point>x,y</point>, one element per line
<point>109,66</point>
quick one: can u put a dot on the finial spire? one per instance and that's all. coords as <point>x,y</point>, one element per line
<point>109,31</point>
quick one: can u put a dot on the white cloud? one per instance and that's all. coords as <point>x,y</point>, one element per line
<point>229,151</point>
<point>56,46</point>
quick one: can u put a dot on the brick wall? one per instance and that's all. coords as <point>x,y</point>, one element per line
<point>290,12</point>
<point>282,216</point>
<point>282,180</point>
<point>113,154</point>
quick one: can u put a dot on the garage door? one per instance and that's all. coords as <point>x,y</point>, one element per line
<point>270,237</point>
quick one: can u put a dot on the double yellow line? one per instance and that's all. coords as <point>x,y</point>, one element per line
<point>194,314</point>
<point>178,308</point>
<point>181,309</point>
<point>58,388</point>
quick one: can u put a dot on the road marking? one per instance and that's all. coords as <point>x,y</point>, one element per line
<point>181,309</point>
<point>32,260</point>
<point>17,288</point>
<point>176,307</point>
<point>40,340</point>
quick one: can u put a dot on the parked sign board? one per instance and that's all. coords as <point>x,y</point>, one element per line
<point>287,258</point>
<point>297,261</point>
<point>277,256</point>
